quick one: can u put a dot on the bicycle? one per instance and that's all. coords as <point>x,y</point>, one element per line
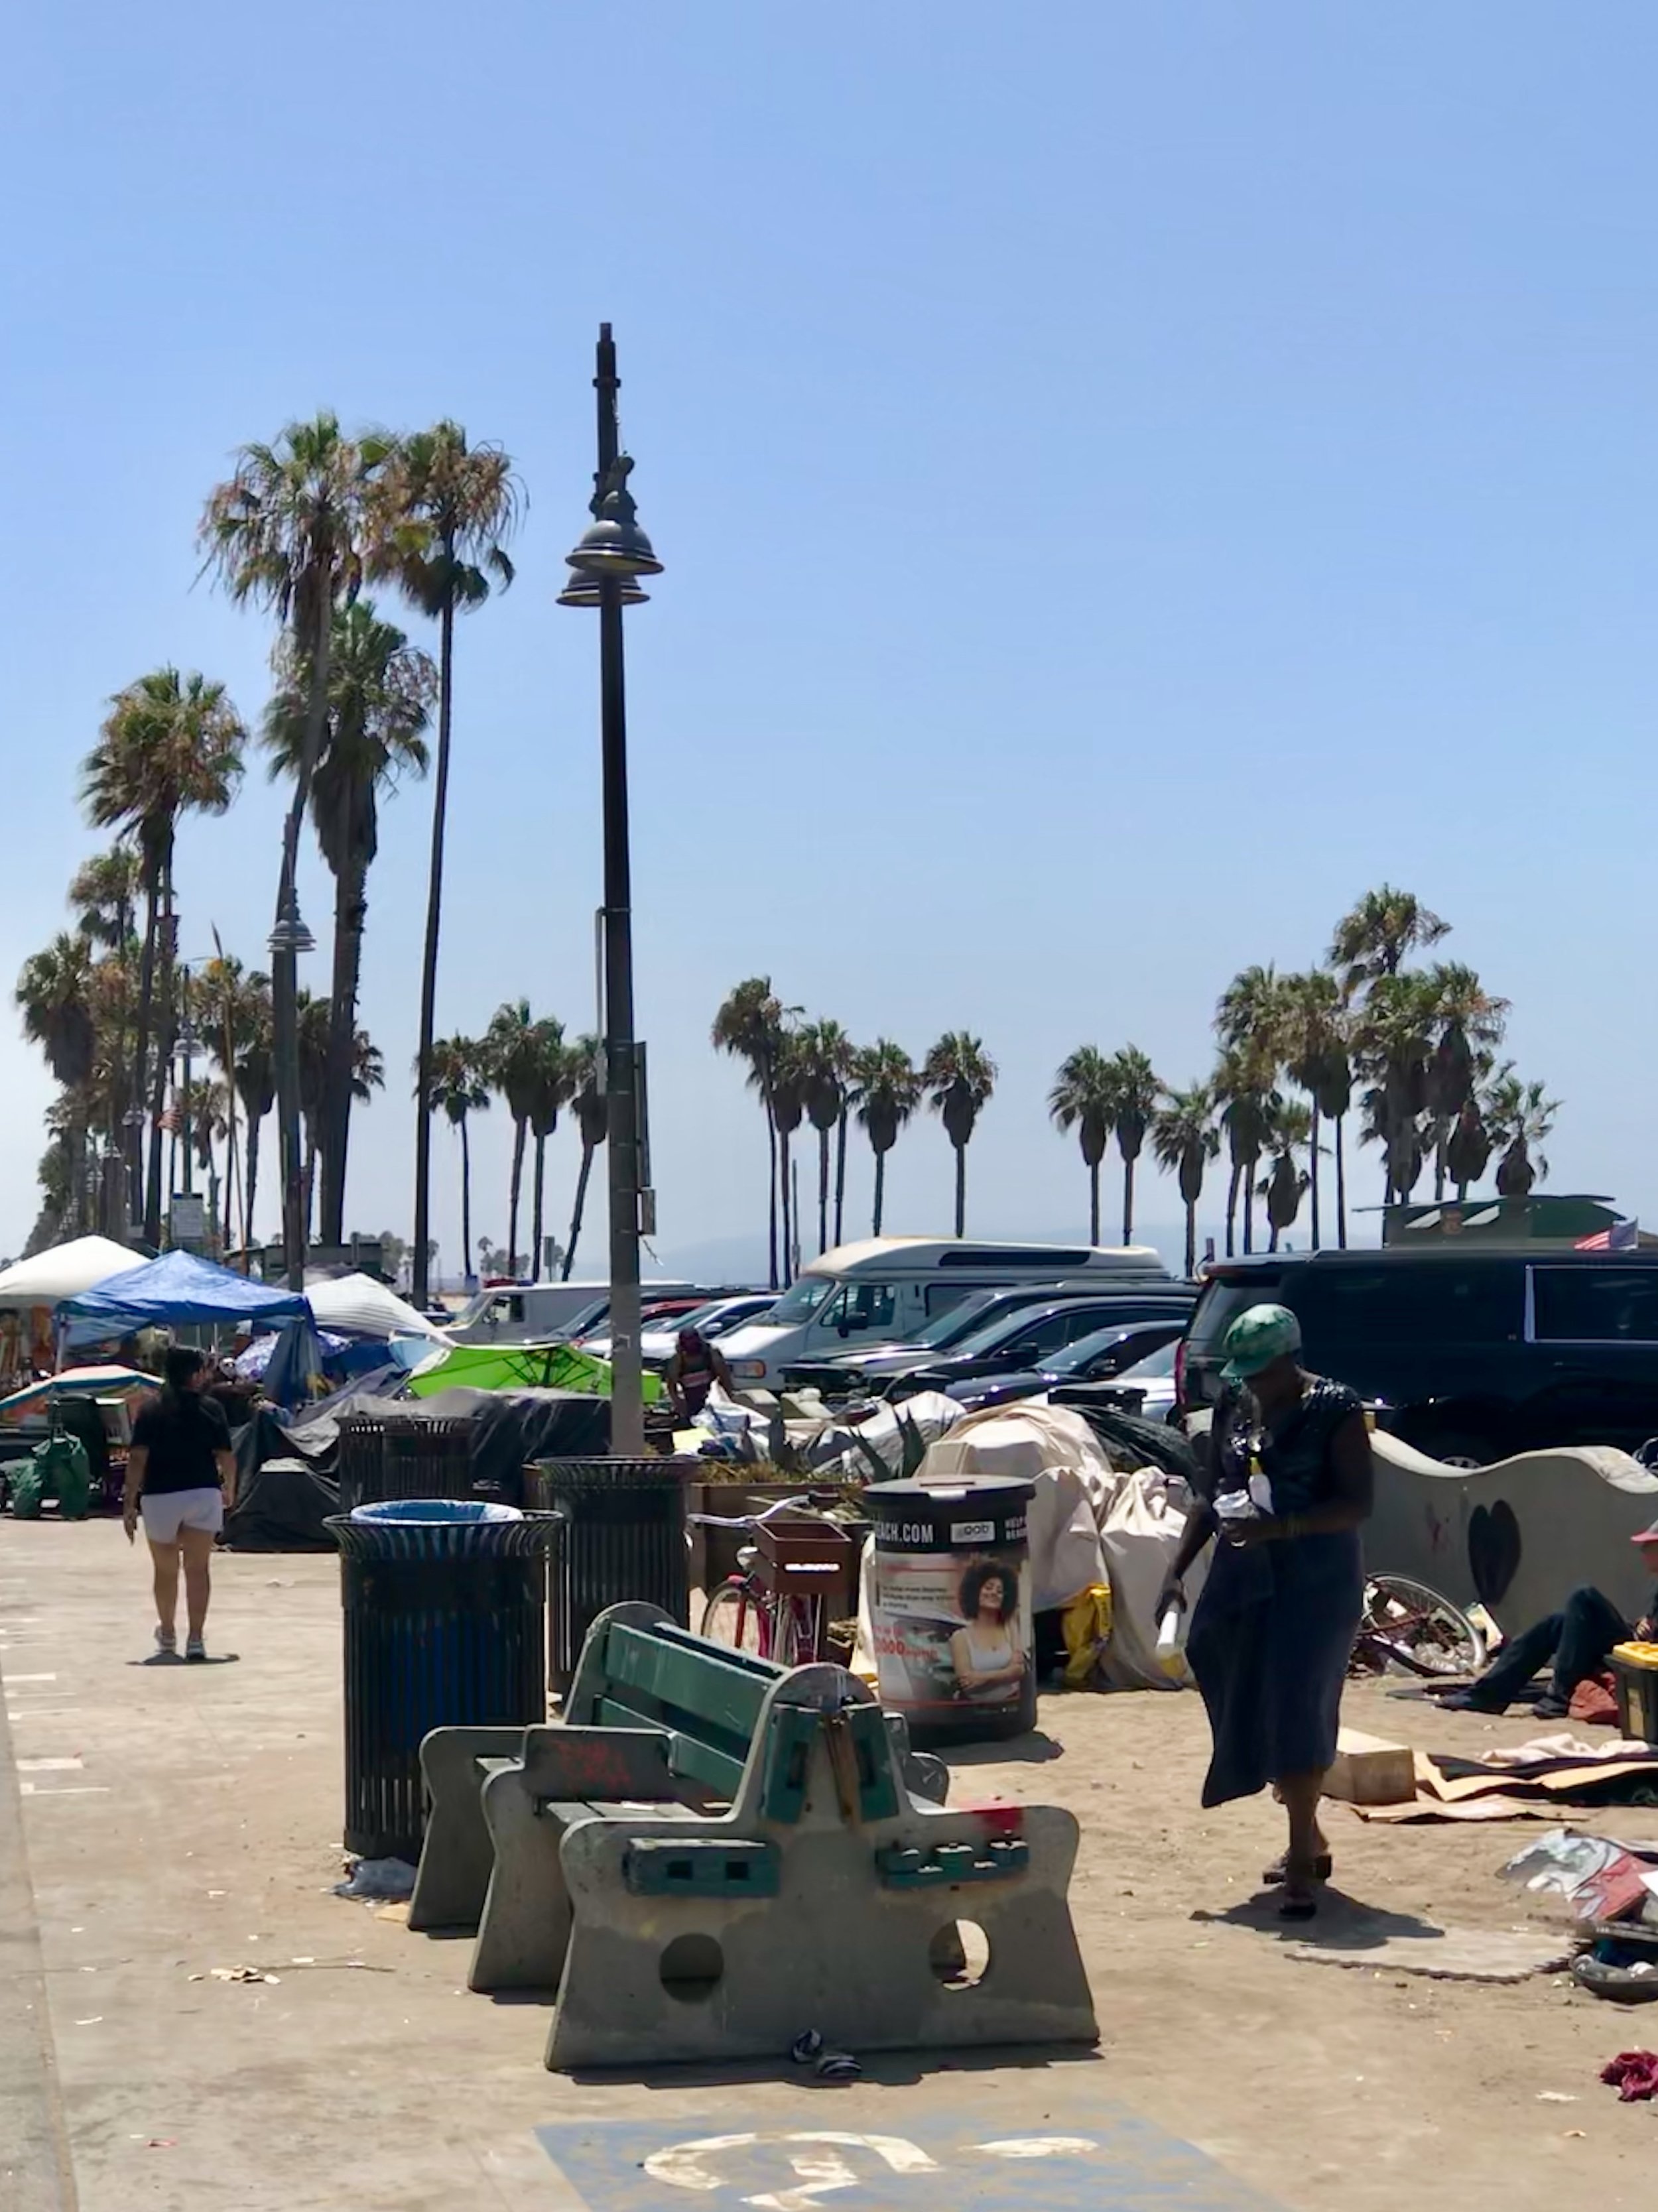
<point>1406,1624</point>
<point>775,1606</point>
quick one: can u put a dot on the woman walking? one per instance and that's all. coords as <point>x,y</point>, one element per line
<point>182,1473</point>
<point>1291,1481</point>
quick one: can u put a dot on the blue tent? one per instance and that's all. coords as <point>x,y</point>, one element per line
<point>173,1292</point>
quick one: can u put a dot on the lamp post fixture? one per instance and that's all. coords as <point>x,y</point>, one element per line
<point>287,940</point>
<point>187,1041</point>
<point>612,553</point>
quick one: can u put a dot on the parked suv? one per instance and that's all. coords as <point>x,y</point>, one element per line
<point>1475,1352</point>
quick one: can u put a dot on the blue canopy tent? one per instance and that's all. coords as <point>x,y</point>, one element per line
<point>176,1292</point>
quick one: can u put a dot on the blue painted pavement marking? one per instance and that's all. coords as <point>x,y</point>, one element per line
<point>1115,2163</point>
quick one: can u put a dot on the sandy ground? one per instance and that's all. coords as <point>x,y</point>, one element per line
<point>176,1820</point>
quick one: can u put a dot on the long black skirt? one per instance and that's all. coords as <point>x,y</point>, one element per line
<point>1270,1642</point>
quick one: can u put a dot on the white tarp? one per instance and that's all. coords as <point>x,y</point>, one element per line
<point>356,1306</point>
<point>65,1271</point>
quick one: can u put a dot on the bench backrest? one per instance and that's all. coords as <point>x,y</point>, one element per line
<point>706,1695</point>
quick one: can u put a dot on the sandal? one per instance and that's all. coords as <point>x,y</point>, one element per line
<point>1301,1905</point>
<point>1276,1875</point>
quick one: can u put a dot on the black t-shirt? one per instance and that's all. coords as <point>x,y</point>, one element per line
<point>181,1435</point>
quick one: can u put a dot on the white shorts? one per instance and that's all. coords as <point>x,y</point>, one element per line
<point>170,1511</point>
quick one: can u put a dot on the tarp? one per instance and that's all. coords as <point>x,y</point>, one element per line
<point>64,1271</point>
<point>359,1306</point>
<point>521,1367</point>
<point>173,1291</point>
<point>91,1382</point>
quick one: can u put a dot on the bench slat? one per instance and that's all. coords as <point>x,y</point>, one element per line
<point>698,1679</point>
<point>692,1754</point>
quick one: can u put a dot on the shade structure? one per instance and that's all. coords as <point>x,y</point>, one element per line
<point>519,1367</point>
<point>176,1291</point>
<point>356,1306</point>
<point>76,1382</point>
<point>64,1270</point>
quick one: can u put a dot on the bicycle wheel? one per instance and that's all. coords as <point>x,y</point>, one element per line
<point>1407,1622</point>
<point>734,1615</point>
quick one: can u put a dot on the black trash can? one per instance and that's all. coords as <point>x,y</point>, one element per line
<point>950,1606</point>
<point>623,1537</point>
<point>445,1605</point>
<point>385,1456</point>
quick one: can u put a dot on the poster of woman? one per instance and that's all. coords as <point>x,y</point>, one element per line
<point>987,1652</point>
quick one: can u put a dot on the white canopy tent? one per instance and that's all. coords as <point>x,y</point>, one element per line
<point>356,1306</point>
<point>64,1271</point>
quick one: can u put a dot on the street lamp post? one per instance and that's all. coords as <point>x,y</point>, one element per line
<point>288,939</point>
<point>612,553</point>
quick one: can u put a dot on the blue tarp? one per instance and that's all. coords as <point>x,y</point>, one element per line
<point>173,1291</point>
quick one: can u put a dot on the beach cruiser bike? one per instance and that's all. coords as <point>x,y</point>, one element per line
<point>801,1564</point>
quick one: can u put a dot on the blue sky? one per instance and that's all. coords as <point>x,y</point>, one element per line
<point>1130,478</point>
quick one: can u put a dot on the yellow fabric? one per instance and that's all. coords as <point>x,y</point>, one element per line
<point>1086,1623</point>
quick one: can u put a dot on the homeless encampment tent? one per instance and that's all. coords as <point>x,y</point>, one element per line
<point>356,1306</point>
<point>177,1290</point>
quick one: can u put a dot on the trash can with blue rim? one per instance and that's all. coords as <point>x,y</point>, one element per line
<point>445,1617</point>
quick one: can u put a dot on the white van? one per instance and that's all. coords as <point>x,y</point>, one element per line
<point>536,1313</point>
<point>887,1287</point>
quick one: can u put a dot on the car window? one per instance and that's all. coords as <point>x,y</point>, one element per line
<point>801,1299</point>
<point>1096,1360</point>
<point>1594,1305</point>
<point>955,1319</point>
<point>863,1307</point>
<point>1371,1305</point>
<point>1223,1299</point>
<point>1155,1367</point>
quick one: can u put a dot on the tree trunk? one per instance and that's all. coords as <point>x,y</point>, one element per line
<point>253,1183</point>
<point>285,967</point>
<point>582,1175</point>
<point>961,1190</point>
<point>1191,1238</point>
<point>1094,1201</point>
<point>163,1059</point>
<point>1128,1198</point>
<point>823,1191</point>
<point>133,1138</point>
<point>1312,1174</point>
<point>1232,1211</point>
<point>1341,1181</point>
<point>349,909</point>
<point>518,1130</point>
<point>1249,1207</point>
<point>840,1173</point>
<point>466,1204</point>
<point>880,1192</point>
<point>539,1193</point>
<point>780,1180</point>
<point>308,1183</point>
<point>429,960</point>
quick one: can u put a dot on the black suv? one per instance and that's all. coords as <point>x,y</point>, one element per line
<point>1475,1352</point>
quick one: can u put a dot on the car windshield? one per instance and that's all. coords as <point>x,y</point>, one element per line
<point>954,1323</point>
<point>801,1300</point>
<point>1090,1348</point>
<point>994,1333</point>
<point>1157,1367</point>
<point>474,1309</point>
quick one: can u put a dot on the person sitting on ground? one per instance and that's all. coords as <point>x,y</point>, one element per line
<point>1578,1639</point>
<point>695,1366</point>
<point>181,1473</point>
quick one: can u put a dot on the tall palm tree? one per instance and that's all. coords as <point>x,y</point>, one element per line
<point>54,996</point>
<point>171,745</point>
<point>1136,1092</point>
<point>229,1005</point>
<point>1468,1024</point>
<point>1312,1037</point>
<point>1285,1184</point>
<point>444,510</point>
<point>312,1016</point>
<point>1469,1150</point>
<point>887,1090</point>
<point>1184,1139</point>
<point>1520,1115</point>
<point>104,894</point>
<point>825,1055</point>
<point>788,1112</point>
<point>1393,1045</point>
<point>1084,1098</point>
<point>286,532</point>
<point>749,1028</point>
<point>458,1091</point>
<point>1243,1088</point>
<point>959,1076</point>
<point>592,1112</point>
<point>1375,937</point>
<point>255,1081</point>
<point>380,696</point>
<point>511,1052</point>
<point>556,1077</point>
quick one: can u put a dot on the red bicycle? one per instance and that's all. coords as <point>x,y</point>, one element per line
<point>776,1606</point>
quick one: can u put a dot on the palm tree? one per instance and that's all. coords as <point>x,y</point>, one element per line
<point>230,1005</point>
<point>961,1077</point>
<point>1469,1023</point>
<point>1084,1098</point>
<point>1313,1036</point>
<point>592,1112</point>
<point>444,511</point>
<point>459,1091</point>
<point>887,1090</point>
<point>511,1052</point>
<point>1184,1140</point>
<point>255,1081</point>
<point>1393,1044</point>
<point>1373,939</point>
<point>1243,1088</point>
<point>313,1025</point>
<point>1519,1116</point>
<point>381,691</point>
<point>827,1054</point>
<point>1137,1090</point>
<point>286,532</point>
<point>788,1112</point>
<point>1469,1150</point>
<point>54,996</point>
<point>1284,1186</point>
<point>749,1027</point>
<point>104,894</point>
<point>556,1077</point>
<point>171,745</point>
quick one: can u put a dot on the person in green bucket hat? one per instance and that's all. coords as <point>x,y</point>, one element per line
<point>1289,1483</point>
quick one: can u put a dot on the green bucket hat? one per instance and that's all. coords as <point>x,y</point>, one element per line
<point>1259,1335</point>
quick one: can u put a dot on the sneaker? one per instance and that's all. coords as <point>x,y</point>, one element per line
<point>167,1639</point>
<point>1469,1701</point>
<point>1552,1708</point>
<point>195,1649</point>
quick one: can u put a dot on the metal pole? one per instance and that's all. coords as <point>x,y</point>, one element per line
<point>184,1044</point>
<point>627,1433</point>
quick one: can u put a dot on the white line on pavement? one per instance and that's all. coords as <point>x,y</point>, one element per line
<point>49,1766</point>
<point>75,1789</point>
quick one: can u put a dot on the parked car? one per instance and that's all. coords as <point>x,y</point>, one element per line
<point>537,1313</point>
<point>1147,1388</point>
<point>1026,1339</point>
<point>713,1318</point>
<point>843,1374</point>
<point>886,1288</point>
<point>1470,1353</point>
<point>1096,1359</point>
